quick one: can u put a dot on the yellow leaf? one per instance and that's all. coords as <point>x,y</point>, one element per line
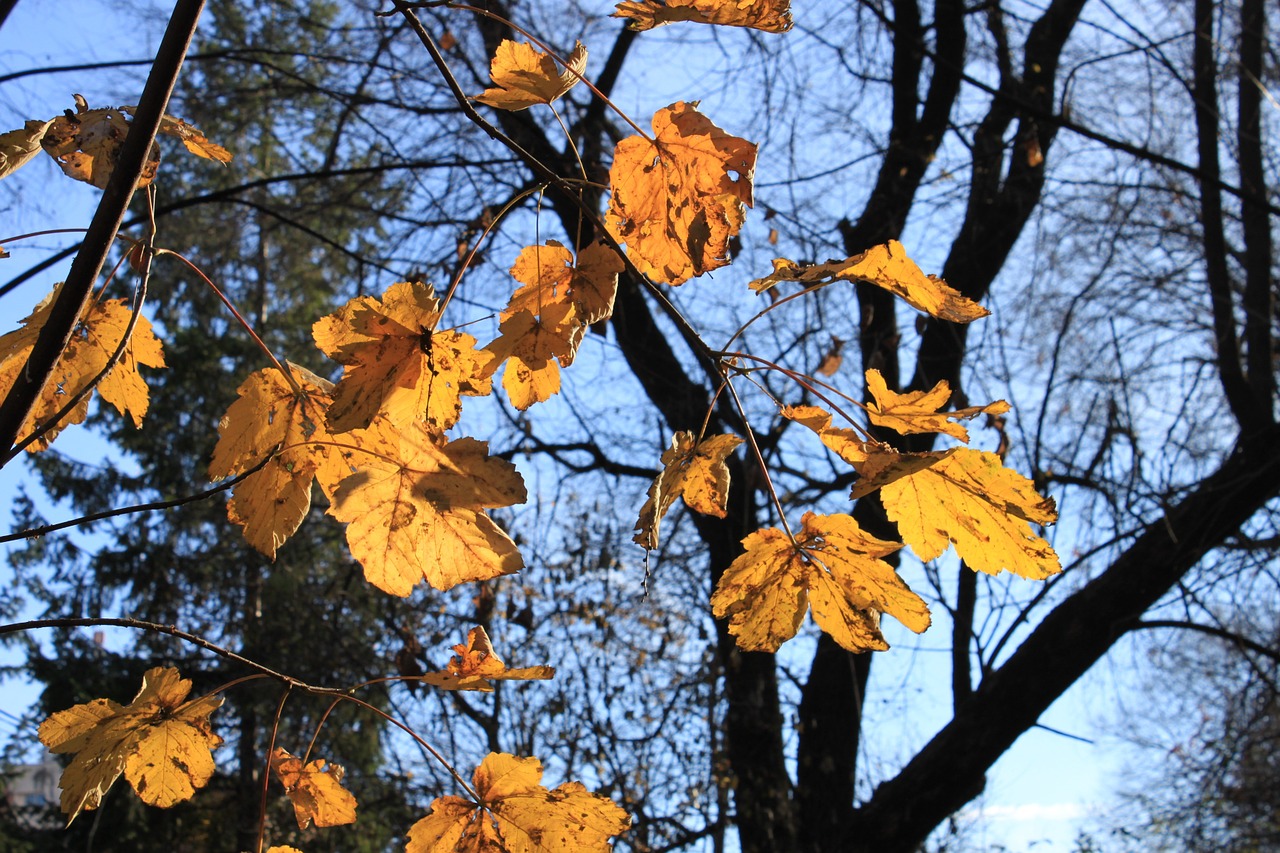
<point>917,411</point>
<point>418,516</point>
<point>698,474</point>
<point>986,510</point>
<point>270,503</point>
<point>94,341</point>
<point>193,140</point>
<point>161,744</point>
<point>476,665</point>
<point>395,364</point>
<point>17,147</point>
<point>283,849</point>
<point>315,790</point>
<point>515,814</point>
<point>548,278</point>
<point>772,16</point>
<point>524,76</point>
<point>534,349</point>
<point>678,199</point>
<point>885,266</point>
<point>833,567</point>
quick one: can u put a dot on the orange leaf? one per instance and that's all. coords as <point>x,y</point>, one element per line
<point>549,279</point>
<point>698,474</point>
<point>917,411</point>
<point>395,364</point>
<point>161,744</point>
<point>986,510</point>
<point>418,516</point>
<point>477,665</point>
<point>885,266</point>
<point>832,567</point>
<point>679,198</point>
<point>772,16</point>
<point>86,145</point>
<point>516,814</point>
<point>524,76</point>
<point>94,341</point>
<point>315,790</point>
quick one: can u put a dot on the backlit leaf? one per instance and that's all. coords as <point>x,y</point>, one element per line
<point>885,266</point>
<point>94,341</point>
<point>315,790</point>
<point>18,147</point>
<point>917,411</point>
<point>679,198</point>
<point>697,474</point>
<point>515,814</point>
<point>971,500</point>
<point>395,364</point>
<point>534,349</point>
<point>162,744</point>
<point>419,515</point>
<point>476,665</point>
<point>524,76</point>
<point>833,567</point>
<point>773,16</point>
<point>270,503</point>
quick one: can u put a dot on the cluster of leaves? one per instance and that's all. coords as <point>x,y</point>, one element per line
<point>416,501</point>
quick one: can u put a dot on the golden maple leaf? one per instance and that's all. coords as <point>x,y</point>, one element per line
<point>679,198</point>
<point>772,16</point>
<point>834,568</point>
<point>917,411</point>
<point>534,349</point>
<point>515,814</point>
<point>476,665</point>
<point>549,277</point>
<point>315,790</point>
<point>698,474</point>
<point>885,266</point>
<point>986,510</point>
<point>524,76</point>
<point>395,364</point>
<point>94,341</point>
<point>162,744</point>
<point>268,413</point>
<point>17,147</point>
<point>419,515</point>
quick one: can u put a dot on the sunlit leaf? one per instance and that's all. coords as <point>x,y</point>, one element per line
<point>697,474</point>
<point>315,790</point>
<point>679,198</point>
<point>515,814</point>
<point>524,76</point>
<point>833,567</point>
<point>773,16</point>
<point>885,266</point>
<point>18,147</point>
<point>162,744</point>
<point>476,665</point>
<point>917,411</point>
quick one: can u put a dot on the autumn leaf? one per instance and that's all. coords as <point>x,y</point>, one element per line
<point>917,411</point>
<point>284,849</point>
<point>315,790</point>
<point>394,363</point>
<point>101,328</point>
<point>18,147</point>
<point>697,474</point>
<point>548,277</point>
<point>885,266</point>
<point>772,16</point>
<point>971,500</point>
<point>476,665</point>
<point>534,349</point>
<point>419,515</point>
<point>162,744</point>
<point>834,568</point>
<point>515,814</point>
<point>269,413</point>
<point>524,76</point>
<point>677,199</point>
<point>192,139</point>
